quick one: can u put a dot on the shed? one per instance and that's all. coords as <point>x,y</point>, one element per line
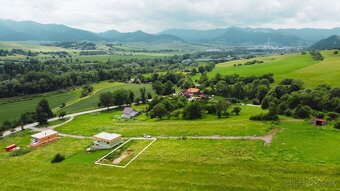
<point>105,140</point>
<point>319,122</point>
<point>43,138</point>
<point>11,147</point>
<point>129,113</point>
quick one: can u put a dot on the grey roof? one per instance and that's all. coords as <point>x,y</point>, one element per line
<point>128,111</point>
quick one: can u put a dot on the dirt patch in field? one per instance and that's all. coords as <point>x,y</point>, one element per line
<point>122,156</point>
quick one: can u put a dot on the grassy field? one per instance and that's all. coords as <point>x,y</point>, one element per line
<point>301,157</point>
<point>91,102</point>
<point>127,151</point>
<point>11,109</point>
<point>30,46</point>
<point>296,66</point>
<point>92,124</point>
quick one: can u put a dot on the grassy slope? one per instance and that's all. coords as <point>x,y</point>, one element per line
<point>300,158</point>
<point>236,125</point>
<point>92,101</point>
<point>13,110</point>
<point>297,66</point>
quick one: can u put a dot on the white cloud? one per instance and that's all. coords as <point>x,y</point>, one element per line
<point>154,16</point>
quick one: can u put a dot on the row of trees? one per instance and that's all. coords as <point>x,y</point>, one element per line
<point>175,107</point>
<point>123,97</point>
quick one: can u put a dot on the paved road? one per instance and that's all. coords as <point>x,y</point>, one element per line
<point>33,126</point>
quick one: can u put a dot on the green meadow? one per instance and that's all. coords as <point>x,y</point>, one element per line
<point>94,123</point>
<point>297,66</point>
<point>301,157</point>
<point>91,102</point>
<point>12,108</point>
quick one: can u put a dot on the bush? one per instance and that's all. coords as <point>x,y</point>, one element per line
<point>288,112</point>
<point>256,101</point>
<point>265,117</point>
<point>302,112</point>
<point>333,115</point>
<point>236,110</point>
<point>58,158</point>
<point>20,152</point>
<point>337,125</point>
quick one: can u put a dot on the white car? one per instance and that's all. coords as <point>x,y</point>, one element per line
<point>147,136</point>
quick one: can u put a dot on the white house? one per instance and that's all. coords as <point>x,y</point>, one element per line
<point>105,140</point>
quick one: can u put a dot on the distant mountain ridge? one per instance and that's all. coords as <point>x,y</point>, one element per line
<point>331,42</point>
<point>138,36</point>
<point>29,30</point>
<point>304,36</point>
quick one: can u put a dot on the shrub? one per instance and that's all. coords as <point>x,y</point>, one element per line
<point>256,101</point>
<point>265,117</point>
<point>302,112</point>
<point>318,114</point>
<point>20,152</point>
<point>236,110</point>
<point>333,115</point>
<point>288,112</point>
<point>57,158</point>
<point>337,125</point>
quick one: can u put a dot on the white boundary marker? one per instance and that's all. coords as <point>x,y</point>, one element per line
<point>118,166</point>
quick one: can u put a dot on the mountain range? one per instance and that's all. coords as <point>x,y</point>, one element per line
<point>29,30</point>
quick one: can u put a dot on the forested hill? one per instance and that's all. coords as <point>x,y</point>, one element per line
<point>332,42</point>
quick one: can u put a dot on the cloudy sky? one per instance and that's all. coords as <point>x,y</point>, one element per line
<point>156,15</point>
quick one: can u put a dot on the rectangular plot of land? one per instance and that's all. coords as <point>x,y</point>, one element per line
<point>123,155</point>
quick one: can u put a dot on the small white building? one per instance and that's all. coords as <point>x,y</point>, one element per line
<point>105,140</point>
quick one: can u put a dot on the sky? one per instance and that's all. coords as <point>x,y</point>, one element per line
<point>154,16</point>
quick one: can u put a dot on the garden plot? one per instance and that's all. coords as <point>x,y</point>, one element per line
<point>123,155</point>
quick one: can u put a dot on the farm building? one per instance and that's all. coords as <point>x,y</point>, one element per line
<point>319,122</point>
<point>129,113</point>
<point>43,138</point>
<point>190,92</point>
<point>193,94</point>
<point>105,140</point>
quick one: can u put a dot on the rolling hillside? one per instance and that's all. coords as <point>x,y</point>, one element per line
<point>297,66</point>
